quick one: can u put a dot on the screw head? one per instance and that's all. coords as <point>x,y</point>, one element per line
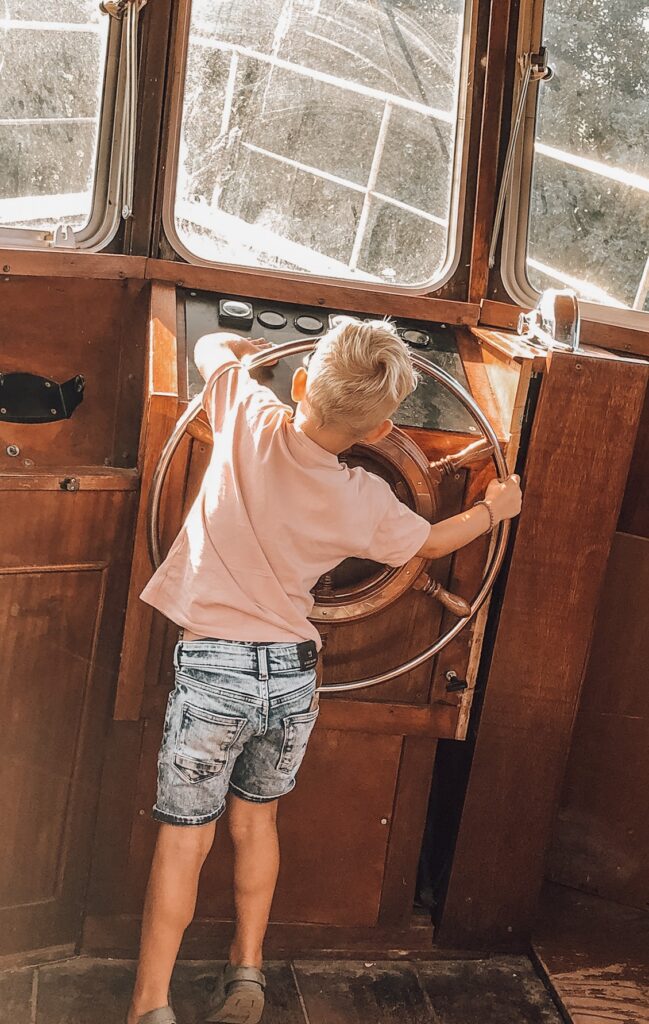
<point>6,268</point>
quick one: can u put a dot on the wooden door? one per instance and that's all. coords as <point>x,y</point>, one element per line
<point>62,579</point>
<point>68,494</point>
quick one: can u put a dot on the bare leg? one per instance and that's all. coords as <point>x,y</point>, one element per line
<point>256,862</point>
<point>168,909</point>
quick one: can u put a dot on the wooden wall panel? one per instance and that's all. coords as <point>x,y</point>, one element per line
<point>334,837</point>
<point>63,573</point>
<point>634,516</point>
<point>602,834</point>
<point>61,327</point>
<point>573,485</point>
<point>48,650</point>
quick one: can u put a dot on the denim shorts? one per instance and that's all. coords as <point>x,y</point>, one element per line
<point>239,718</point>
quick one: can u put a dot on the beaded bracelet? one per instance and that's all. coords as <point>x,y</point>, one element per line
<point>487,505</point>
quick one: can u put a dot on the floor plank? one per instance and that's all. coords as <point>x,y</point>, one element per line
<point>596,956</point>
<point>15,996</point>
<point>502,990</point>
<point>193,982</point>
<point>352,992</point>
<point>83,991</point>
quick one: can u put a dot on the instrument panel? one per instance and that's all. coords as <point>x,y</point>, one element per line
<point>431,406</point>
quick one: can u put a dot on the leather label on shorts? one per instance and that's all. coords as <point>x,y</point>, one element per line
<point>308,656</point>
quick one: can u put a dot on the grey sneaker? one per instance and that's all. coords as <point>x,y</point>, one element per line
<point>163,1015</point>
<point>240,997</point>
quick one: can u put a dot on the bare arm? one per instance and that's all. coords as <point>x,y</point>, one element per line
<point>451,534</point>
<point>212,350</point>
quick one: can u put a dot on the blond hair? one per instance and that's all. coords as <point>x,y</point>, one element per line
<point>359,374</point>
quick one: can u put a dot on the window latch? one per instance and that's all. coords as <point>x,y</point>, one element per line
<point>533,67</point>
<point>64,237</point>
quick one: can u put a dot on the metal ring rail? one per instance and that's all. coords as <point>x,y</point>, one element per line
<point>293,348</point>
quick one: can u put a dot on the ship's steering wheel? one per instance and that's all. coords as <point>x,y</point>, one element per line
<point>463,609</point>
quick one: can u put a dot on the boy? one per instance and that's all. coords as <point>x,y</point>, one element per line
<point>275,511</point>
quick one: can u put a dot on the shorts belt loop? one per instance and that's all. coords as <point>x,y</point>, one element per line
<point>177,652</point>
<point>262,662</point>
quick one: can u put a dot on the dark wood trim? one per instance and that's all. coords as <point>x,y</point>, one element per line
<point>116,814</point>
<point>154,49</point>
<point>457,286</point>
<point>330,295</point>
<point>31,263</point>
<point>541,644</point>
<point>89,478</point>
<point>117,936</point>
<point>411,803</point>
<point>479,382</point>
<point>436,720</point>
<point>617,338</point>
<point>37,957</point>
<point>487,171</point>
<point>160,414</point>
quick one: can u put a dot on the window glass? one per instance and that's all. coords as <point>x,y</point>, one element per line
<point>318,136</point>
<point>52,59</point>
<point>589,212</point>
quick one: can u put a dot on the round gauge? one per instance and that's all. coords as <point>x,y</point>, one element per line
<point>234,308</point>
<point>309,324</point>
<point>272,319</point>
<point>418,339</point>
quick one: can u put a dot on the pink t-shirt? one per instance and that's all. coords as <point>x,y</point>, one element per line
<point>275,511</point>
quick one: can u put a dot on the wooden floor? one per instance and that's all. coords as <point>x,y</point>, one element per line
<point>596,956</point>
<point>502,990</point>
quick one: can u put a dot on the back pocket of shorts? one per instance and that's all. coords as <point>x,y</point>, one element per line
<point>205,740</point>
<point>297,730</point>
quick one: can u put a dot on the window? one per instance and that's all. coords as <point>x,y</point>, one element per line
<point>588,225</point>
<point>53,55</point>
<point>321,137</point>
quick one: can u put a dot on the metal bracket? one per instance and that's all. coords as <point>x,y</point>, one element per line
<point>64,237</point>
<point>30,398</point>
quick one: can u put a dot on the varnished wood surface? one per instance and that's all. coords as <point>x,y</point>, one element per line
<point>601,837</point>
<point>487,170</point>
<point>314,293</point>
<point>408,820</point>
<point>634,516</point>
<point>70,479</point>
<point>59,327</point>
<point>141,231</point>
<point>321,880</point>
<point>63,572</point>
<point>80,265</point>
<point>161,410</point>
<point>596,956</point>
<point>579,454</point>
